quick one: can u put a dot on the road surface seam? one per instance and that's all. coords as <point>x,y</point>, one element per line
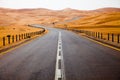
<point>59,71</point>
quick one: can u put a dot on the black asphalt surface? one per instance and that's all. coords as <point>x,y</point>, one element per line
<point>83,59</point>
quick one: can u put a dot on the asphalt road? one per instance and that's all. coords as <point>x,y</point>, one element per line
<point>83,59</point>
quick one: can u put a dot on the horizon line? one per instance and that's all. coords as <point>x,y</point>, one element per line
<point>57,9</point>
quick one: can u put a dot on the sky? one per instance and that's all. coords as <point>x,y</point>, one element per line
<point>60,4</point>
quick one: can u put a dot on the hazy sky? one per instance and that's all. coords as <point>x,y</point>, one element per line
<point>60,4</point>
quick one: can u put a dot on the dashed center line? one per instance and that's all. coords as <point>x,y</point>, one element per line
<point>59,71</point>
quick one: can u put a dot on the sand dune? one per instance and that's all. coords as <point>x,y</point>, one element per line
<point>106,17</point>
<point>71,17</point>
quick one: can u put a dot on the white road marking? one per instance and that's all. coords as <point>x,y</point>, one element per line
<point>59,71</point>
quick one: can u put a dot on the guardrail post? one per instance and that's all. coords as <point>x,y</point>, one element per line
<point>108,36</point>
<point>118,38</point>
<point>33,33</point>
<point>93,34</point>
<point>26,35</point>
<point>3,41</point>
<point>30,34</point>
<point>22,36</point>
<point>101,35</point>
<point>19,37</point>
<point>96,34</point>
<point>89,33</point>
<point>16,38</point>
<point>13,39</point>
<point>8,39</point>
<point>112,37</point>
<point>44,30</point>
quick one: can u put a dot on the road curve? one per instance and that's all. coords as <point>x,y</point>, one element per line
<point>83,59</point>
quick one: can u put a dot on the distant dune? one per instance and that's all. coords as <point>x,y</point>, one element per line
<point>105,17</point>
<point>33,16</point>
<point>68,16</point>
